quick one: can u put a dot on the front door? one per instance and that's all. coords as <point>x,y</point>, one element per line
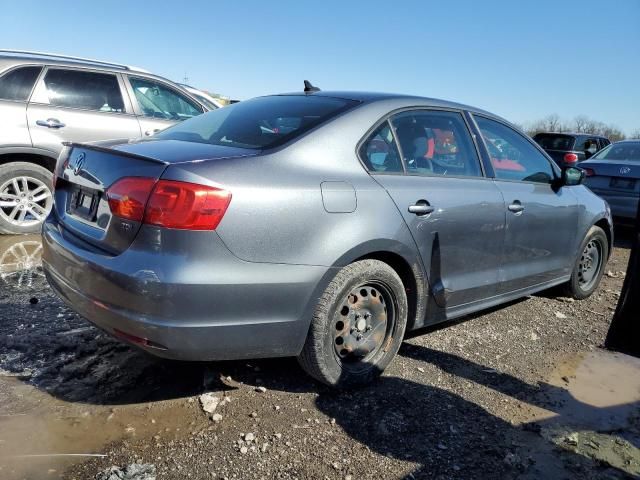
<point>542,218</point>
<point>455,214</point>
<point>79,105</point>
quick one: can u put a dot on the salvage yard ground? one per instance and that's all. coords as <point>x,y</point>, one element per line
<point>522,391</point>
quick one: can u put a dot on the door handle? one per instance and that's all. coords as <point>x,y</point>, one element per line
<point>516,207</point>
<point>421,207</point>
<point>149,133</point>
<point>50,123</point>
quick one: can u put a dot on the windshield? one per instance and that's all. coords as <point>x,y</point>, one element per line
<point>260,123</point>
<point>555,142</point>
<point>620,151</point>
<point>204,100</point>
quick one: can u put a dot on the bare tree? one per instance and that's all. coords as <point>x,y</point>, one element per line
<point>635,134</point>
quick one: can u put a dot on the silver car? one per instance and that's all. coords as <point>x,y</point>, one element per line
<point>47,99</point>
<point>321,225</point>
<point>614,174</point>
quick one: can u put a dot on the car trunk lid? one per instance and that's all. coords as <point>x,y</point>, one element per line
<point>87,173</point>
<point>613,176</point>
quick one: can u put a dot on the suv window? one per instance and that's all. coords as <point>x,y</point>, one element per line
<point>18,83</point>
<point>380,153</point>
<point>554,142</point>
<point>158,101</point>
<point>513,157</point>
<point>85,90</point>
<point>436,143</point>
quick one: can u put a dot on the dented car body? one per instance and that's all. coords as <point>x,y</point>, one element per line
<point>302,186</point>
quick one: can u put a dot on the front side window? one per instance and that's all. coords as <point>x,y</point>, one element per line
<point>379,152</point>
<point>259,123</point>
<point>512,155</point>
<point>436,143</point>
<point>158,101</point>
<point>18,83</point>
<point>84,90</point>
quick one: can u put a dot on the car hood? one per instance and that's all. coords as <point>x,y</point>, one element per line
<point>175,151</point>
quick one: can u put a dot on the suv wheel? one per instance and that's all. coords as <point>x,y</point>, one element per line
<point>25,197</point>
<point>357,327</point>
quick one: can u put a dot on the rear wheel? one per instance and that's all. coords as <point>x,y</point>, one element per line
<point>357,327</point>
<point>589,266</point>
<point>26,197</point>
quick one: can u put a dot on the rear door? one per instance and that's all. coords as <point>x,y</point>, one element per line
<point>455,214</point>
<point>542,220</point>
<point>159,105</point>
<point>79,105</point>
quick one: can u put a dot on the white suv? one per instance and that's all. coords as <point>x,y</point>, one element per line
<point>47,99</point>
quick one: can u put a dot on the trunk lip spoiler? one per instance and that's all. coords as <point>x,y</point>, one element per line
<point>113,151</point>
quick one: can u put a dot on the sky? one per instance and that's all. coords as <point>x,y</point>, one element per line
<point>520,59</point>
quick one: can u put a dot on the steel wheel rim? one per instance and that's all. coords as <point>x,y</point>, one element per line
<point>21,264</point>
<point>363,324</point>
<point>590,264</point>
<point>25,201</point>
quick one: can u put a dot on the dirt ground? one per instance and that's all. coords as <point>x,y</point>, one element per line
<point>522,391</point>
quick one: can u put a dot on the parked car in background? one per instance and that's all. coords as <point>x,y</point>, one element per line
<point>47,99</point>
<point>228,236</point>
<point>211,102</point>
<point>614,174</point>
<point>569,148</point>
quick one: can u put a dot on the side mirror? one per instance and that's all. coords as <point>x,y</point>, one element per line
<point>572,176</point>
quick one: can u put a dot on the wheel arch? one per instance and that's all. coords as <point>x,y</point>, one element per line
<point>43,158</point>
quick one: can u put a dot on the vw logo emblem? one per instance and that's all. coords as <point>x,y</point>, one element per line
<point>79,164</point>
<point>625,170</point>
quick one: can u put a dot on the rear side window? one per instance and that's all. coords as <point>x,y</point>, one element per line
<point>18,83</point>
<point>379,152</point>
<point>555,142</point>
<point>85,90</point>
<point>157,101</point>
<point>436,143</point>
<point>259,123</point>
<point>513,157</point>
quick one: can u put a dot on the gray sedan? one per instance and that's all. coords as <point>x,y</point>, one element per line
<point>322,225</point>
<point>614,174</point>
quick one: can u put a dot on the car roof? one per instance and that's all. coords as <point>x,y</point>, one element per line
<point>369,97</point>
<point>572,134</point>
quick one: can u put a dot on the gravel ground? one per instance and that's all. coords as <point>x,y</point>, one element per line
<point>457,402</point>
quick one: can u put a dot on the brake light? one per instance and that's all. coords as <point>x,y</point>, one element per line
<point>128,197</point>
<point>570,158</point>
<point>589,172</point>
<point>187,206</point>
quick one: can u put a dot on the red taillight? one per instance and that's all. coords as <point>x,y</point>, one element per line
<point>589,172</point>
<point>186,206</point>
<point>570,158</point>
<point>128,197</point>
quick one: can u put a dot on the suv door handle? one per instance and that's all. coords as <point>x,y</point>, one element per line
<point>50,123</point>
<point>149,133</point>
<point>421,207</point>
<point>516,207</point>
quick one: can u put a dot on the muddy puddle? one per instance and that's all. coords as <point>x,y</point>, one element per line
<point>594,409</point>
<point>47,436</point>
<point>21,261</point>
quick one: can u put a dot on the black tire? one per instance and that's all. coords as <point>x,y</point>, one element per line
<point>12,170</point>
<point>380,294</point>
<point>581,286</point>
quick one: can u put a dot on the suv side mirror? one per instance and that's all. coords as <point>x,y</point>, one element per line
<point>572,176</point>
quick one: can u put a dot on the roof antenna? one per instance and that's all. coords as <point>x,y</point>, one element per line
<point>308,88</point>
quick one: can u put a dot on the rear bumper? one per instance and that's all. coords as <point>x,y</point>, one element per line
<point>186,292</point>
<point>623,205</point>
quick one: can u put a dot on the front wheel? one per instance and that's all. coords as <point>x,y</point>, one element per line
<point>357,327</point>
<point>590,264</point>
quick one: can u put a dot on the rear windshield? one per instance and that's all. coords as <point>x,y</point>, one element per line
<point>259,123</point>
<point>555,142</point>
<point>619,151</point>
